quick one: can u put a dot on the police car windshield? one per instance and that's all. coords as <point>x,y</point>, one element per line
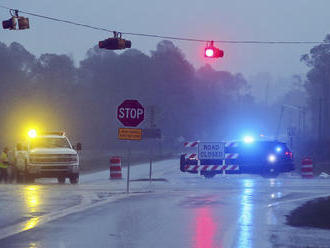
<point>44,142</point>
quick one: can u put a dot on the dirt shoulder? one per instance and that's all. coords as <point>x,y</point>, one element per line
<point>315,213</point>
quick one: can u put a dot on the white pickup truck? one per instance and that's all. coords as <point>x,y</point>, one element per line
<point>48,155</point>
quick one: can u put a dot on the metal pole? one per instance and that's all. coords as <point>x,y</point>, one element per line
<point>304,120</point>
<point>150,169</point>
<point>320,121</point>
<point>279,123</point>
<point>128,166</point>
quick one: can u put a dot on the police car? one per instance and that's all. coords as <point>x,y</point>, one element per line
<point>267,158</point>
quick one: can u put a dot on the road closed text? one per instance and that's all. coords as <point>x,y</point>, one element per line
<point>211,150</point>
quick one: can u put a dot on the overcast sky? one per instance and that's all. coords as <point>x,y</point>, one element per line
<point>289,20</point>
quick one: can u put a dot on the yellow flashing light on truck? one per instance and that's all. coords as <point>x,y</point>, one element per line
<point>32,133</point>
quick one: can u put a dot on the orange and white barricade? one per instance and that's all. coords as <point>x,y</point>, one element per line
<point>307,168</point>
<point>115,168</point>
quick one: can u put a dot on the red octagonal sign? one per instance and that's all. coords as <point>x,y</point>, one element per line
<point>130,113</point>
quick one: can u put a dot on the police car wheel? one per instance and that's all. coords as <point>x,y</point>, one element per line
<point>270,173</point>
<point>209,174</point>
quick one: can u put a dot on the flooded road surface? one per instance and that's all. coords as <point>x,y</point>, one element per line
<point>177,210</point>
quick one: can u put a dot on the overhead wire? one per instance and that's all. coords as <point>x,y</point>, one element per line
<point>163,36</point>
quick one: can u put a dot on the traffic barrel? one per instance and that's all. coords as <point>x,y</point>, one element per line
<point>307,168</point>
<point>115,168</point>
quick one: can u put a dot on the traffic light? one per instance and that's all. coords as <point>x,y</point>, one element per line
<point>23,23</point>
<point>115,44</point>
<point>10,23</point>
<point>212,52</point>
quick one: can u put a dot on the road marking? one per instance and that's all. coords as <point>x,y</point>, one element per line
<point>37,221</point>
<point>298,199</point>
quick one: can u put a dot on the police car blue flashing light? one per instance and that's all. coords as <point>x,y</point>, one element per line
<point>271,158</point>
<point>278,149</point>
<point>248,139</point>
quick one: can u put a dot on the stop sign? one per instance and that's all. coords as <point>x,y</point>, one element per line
<point>130,113</point>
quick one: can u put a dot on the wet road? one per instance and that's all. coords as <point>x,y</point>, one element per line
<point>184,210</point>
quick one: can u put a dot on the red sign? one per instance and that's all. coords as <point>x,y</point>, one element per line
<point>130,113</point>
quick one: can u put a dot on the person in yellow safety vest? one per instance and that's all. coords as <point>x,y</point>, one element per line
<point>4,163</point>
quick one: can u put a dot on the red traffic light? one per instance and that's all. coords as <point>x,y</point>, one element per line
<point>213,52</point>
<point>10,23</point>
<point>23,23</point>
<point>209,52</point>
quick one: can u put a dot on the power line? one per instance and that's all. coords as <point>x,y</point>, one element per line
<point>164,36</point>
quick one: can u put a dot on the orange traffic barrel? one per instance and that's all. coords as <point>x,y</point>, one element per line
<point>115,168</point>
<point>307,168</point>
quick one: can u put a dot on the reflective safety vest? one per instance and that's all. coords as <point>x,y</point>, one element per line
<point>4,161</point>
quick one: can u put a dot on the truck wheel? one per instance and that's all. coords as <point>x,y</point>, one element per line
<point>74,179</point>
<point>61,180</point>
<point>29,179</point>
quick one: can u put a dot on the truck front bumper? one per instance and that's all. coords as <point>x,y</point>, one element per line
<point>52,170</point>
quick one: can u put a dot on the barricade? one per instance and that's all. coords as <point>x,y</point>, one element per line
<point>227,165</point>
<point>115,168</point>
<point>307,168</point>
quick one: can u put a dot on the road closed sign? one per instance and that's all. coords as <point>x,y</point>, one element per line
<point>211,150</point>
<point>130,113</point>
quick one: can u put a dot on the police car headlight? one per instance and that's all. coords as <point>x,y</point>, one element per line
<point>271,158</point>
<point>278,149</point>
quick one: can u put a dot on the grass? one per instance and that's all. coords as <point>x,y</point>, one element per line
<point>315,213</point>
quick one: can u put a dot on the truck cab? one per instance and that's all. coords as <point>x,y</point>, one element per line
<point>48,155</point>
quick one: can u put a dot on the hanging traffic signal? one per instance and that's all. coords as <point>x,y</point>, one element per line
<point>212,52</point>
<point>23,23</point>
<point>10,23</point>
<point>115,43</point>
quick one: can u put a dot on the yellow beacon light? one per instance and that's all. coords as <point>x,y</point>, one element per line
<point>32,133</point>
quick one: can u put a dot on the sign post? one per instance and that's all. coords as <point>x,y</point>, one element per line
<point>151,133</point>
<point>130,113</point>
<point>128,167</point>
<point>150,165</point>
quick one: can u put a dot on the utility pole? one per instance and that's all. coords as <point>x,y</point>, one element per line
<point>267,93</point>
<point>279,123</point>
<point>303,121</point>
<point>320,121</point>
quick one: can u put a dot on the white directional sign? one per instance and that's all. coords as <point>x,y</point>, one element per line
<point>211,150</point>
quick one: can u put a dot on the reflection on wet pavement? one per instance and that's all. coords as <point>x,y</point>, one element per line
<point>205,228</point>
<point>32,201</point>
<point>31,223</point>
<point>246,215</point>
<point>32,198</point>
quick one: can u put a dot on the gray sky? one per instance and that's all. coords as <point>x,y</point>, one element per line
<point>213,19</point>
